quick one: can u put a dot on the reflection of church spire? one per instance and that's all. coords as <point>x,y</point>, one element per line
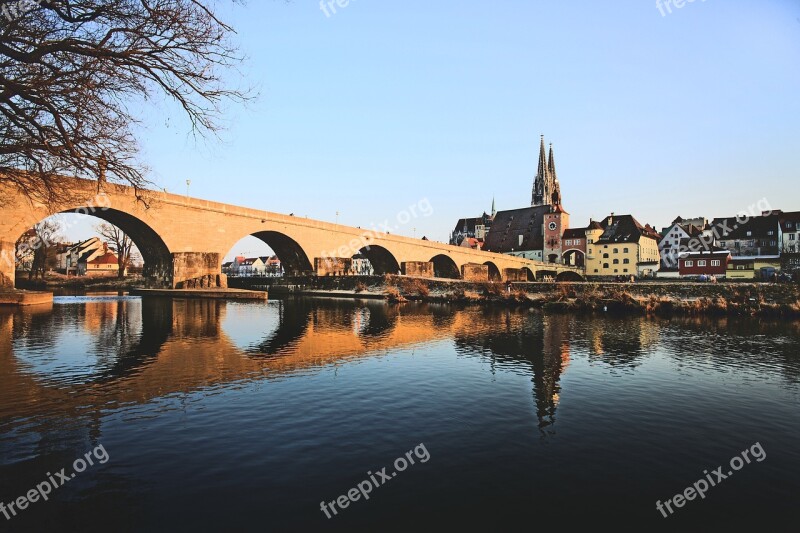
<point>548,370</point>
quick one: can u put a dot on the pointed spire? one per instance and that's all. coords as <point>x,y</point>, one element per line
<point>494,211</point>
<point>542,161</point>
<point>540,183</point>
<point>551,164</point>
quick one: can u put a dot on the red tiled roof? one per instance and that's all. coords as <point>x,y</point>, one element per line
<point>106,259</point>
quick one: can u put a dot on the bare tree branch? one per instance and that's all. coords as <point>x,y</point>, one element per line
<point>69,69</point>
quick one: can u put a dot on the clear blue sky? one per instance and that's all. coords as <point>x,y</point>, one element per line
<point>382,104</point>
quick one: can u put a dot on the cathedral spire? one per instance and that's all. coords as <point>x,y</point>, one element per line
<point>555,188</point>
<point>551,164</point>
<point>494,211</point>
<point>542,177</point>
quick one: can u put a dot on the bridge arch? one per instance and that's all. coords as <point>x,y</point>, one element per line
<point>445,267</point>
<point>292,256</point>
<point>382,260</point>
<point>574,257</point>
<point>158,263</point>
<point>569,275</point>
<point>549,274</point>
<point>494,272</point>
<point>529,274</point>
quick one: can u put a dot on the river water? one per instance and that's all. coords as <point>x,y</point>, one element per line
<point>194,415</point>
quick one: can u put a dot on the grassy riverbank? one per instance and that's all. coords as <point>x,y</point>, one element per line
<point>661,299</point>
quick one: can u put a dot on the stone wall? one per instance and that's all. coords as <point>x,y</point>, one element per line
<point>195,270</point>
<point>515,274</point>
<point>8,252</point>
<point>333,266</point>
<point>475,272</point>
<point>418,269</point>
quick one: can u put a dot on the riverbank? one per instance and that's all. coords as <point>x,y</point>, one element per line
<point>79,283</point>
<point>644,298</point>
<point>16,297</point>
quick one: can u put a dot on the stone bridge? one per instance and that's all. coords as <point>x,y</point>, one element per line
<point>183,240</point>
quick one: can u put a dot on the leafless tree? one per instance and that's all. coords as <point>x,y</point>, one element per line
<point>42,242</point>
<point>72,71</point>
<point>120,244</point>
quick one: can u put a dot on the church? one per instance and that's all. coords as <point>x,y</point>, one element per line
<point>533,232</point>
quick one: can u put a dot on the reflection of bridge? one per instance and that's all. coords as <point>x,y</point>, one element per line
<point>169,347</point>
<point>183,240</point>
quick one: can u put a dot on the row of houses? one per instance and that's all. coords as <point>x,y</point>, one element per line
<point>91,257</point>
<point>743,247</point>
<point>247,267</point>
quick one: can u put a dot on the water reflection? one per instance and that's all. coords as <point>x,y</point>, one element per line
<point>116,352</point>
<point>91,370</point>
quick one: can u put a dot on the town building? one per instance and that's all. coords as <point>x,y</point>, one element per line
<point>68,259</point>
<point>754,244</point>
<point>620,245</point>
<point>790,249</point>
<point>790,230</point>
<point>574,247</point>
<point>713,262</point>
<point>101,265</point>
<point>669,246</point>
<point>472,228</point>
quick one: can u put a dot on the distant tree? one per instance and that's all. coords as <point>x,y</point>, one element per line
<point>43,244</point>
<point>120,244</point>
<point>72,72</point>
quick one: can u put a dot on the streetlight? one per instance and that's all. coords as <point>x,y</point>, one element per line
<point>337,217</point>
<point>188,182</point>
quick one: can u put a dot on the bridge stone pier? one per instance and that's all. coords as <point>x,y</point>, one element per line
<point>183,240</point>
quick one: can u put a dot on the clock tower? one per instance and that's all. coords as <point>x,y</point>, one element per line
<point>555,222</point>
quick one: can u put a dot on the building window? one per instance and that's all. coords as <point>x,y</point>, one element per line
<point>791,236</point>
<point>701,263</point>
<point>616,250</point>
<point>689,263</point>
<point>605,265</point>
<point>616,270</point>
<point>616,261</point>
<point>626,261</point>
<point>772,243</point>
<point>624,269</point>
<point>715,262</point>
<point>749,233</point>
<point>595,270</point>
<point>605,256</point>
<point>770,232</point>
<point>605,246</point>
<point>625,250</point>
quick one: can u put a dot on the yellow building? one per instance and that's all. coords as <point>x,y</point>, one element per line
<point>751,267</point>
<point>620,246</point>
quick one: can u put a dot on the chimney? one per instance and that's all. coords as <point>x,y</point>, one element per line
<point>611,219</point>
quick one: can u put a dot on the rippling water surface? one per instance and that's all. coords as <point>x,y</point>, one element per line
<point>244,417</point>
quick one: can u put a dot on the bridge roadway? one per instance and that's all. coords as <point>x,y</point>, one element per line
<point>183,239</point>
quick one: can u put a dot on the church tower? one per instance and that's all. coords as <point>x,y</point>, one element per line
<point>546,189</point>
